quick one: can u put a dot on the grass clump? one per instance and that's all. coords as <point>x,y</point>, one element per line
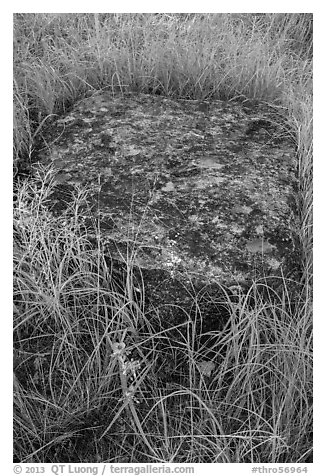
<point>99,377</point>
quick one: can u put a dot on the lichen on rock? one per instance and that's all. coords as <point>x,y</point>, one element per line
<point>203,194</point>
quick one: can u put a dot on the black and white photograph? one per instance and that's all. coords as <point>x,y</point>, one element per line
<point>162,239</point>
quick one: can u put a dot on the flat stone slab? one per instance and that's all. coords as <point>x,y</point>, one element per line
<point>201,191</point>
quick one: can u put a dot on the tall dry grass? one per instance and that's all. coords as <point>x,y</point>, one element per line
<point>86,353</point>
